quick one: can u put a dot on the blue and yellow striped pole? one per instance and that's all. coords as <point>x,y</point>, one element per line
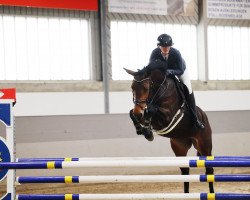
<point>133,178</point>
<point>48,197</point>
<point>137,158</point>
<point>221,196</point>
<point>48,179</point>
<point>219,163</point>
<point>124,163</point>
<point>194,196</point>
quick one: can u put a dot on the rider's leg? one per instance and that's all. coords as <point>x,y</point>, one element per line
<point>192,106</point>
<point>190,98</point>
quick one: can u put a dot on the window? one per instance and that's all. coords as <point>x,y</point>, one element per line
<point>44,48</point>
<point>133,42</point>
<point>228,53</point>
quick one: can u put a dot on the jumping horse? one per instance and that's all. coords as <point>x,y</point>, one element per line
<point>160,107</point>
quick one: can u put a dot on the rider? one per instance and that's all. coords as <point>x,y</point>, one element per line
<point>175,65</point>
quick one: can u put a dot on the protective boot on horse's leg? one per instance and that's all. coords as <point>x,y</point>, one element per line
<point>192,106</point>
<point>140,130</point>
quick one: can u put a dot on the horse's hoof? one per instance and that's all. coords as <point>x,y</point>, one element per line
<point>149,138</point>
<point>139,132</point>
<point>148,134</point>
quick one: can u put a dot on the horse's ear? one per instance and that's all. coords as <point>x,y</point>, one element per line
<point>133,73</point>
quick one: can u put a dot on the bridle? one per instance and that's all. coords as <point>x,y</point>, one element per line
<point>147,101</point>
<point>140,101</point>
<point>145,128</point>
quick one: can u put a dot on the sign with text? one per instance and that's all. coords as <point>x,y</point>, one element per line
<point>153,7</point>
<point>228,9</point>
<point>138,7</point>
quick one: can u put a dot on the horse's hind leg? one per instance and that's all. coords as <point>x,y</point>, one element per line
<point>185,171</point>
<point>180,148</point>
<point>203,145</point>
<point>209,171</point>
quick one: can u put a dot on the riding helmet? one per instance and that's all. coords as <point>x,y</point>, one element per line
<point>164,40</point>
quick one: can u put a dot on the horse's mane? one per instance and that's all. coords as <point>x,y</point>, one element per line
<point>157,64</point>
<point>152,66</point>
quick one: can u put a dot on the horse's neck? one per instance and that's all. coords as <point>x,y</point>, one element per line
<point>176,95</point>
<point>174,100</point>
<point>170,102</point>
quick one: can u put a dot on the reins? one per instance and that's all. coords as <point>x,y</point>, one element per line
<point>158,90</point>
<point>147,101</point>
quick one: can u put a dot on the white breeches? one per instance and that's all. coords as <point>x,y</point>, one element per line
<point>185,79</point>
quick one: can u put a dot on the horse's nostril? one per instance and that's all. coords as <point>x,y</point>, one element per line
<point>136,110</point>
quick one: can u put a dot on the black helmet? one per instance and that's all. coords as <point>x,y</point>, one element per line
<point>164,40</point>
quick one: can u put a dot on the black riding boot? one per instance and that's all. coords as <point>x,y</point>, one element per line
<point>192,107</point>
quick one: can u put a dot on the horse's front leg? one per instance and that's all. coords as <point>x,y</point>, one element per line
<point>142,130</point>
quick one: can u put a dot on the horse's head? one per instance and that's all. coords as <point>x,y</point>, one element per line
<point>141,88</point>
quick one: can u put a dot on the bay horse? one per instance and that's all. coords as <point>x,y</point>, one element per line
<point>160,106</point>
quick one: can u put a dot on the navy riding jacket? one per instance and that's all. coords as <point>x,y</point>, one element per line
<point>175,64</point>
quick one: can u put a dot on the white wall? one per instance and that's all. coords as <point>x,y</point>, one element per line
<point>79,103</point>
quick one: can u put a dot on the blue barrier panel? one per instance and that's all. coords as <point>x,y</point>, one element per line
<point>5,113</point>
<point>4,157</point>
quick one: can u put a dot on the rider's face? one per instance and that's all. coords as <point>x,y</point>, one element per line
<point>165,50</point>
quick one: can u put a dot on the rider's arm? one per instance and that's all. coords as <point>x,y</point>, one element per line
<point>176,64</point>
<point>155,55</point>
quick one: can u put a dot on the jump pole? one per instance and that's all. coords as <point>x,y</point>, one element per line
<point>148,196</point>
<point>137,158</point>
<point>133,179</point>
<point>124,163</point>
